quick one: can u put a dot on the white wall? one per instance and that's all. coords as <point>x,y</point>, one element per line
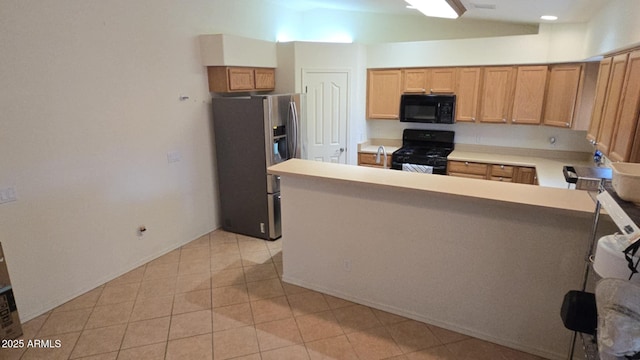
<point>373,28</point>
<point>90,109</point>
<point>616,27</point>
<point>519,136</point>
<point>554,43</point>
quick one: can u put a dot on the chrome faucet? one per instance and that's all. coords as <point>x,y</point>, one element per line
<point>382,150</point>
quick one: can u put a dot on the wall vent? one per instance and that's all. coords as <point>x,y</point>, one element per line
<point>483,6</point>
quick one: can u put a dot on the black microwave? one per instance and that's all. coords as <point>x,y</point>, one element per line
<point>438,109</point>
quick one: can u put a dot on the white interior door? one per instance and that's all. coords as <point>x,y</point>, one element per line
<point>327,114</point>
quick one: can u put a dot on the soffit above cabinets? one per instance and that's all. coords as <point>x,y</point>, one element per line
<point>231,50</point>
<point>521,11</point>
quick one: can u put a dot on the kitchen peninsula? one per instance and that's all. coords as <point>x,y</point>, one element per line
<point>487,259</point>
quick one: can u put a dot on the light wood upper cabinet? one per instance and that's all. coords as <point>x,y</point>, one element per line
<point>601,93</point>
<point>265,79</point>
<point>241,79</point>
<point>467,93</point>
<point>528,97</point>
<point>562,95</point>
<point>429,80</point>
<point>415,80</point>
<point>627,118</point>
<point>225,79</point>
<point>496,94</point>
<point>443,81</point>
<point>383,94</point>
<point>612,100</point>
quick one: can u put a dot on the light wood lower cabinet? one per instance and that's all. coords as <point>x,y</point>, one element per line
<point>495,172</point>
<point>369,159</point>
<point>526,175</point>
<point>465,168</point>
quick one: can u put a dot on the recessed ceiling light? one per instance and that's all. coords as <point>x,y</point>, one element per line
<point>549,17</point>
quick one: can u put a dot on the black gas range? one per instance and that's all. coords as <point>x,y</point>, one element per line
<point>424,151</point>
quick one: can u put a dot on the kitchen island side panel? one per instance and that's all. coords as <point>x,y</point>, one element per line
<point>489,269</point>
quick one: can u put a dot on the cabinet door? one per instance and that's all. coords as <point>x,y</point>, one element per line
<point>241,79</point>
<point>525,175</point>
<point>614,92</point>
<point>265,79</point>
<point>528,97</point>
<point>627,119</point>
<point>415,80</point>
<point>443,81</point>
<point>369,159</point>
<point>460,168</point>
<point>383,94</point>
<point>496,94</point>
<point>562,94</point>
<point>467,93</point>
<point>601,93</point>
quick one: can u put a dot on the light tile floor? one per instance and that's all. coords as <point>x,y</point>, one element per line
<point>221,297</point>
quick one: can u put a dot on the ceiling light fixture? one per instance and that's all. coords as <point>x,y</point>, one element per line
<point>450,9</point>
<point>549,17</point>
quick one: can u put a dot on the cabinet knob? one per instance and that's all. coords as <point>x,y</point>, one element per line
<point>513,120</point>
<point>504,120</point>
<point>567,124</point>
<point>466,163</point>
<point>502,167</point>
<point>501,179</point>
<point>431,90</point>
<point>473,119</point>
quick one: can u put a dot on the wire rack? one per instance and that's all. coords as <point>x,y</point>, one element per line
<point>590,346</point>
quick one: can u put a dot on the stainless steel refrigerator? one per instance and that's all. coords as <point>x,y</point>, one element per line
<point>251,134</point>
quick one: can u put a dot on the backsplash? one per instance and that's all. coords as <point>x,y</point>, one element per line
<point>516,136</point>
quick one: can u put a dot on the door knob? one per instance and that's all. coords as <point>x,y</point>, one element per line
<point>341,150</point>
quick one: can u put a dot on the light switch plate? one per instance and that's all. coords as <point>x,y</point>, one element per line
<point>8,195</point>
<point>174,156</point>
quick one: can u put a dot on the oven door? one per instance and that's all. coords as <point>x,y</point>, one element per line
<point>438,167</point>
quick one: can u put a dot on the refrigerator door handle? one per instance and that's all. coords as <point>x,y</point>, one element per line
<point>295,127</point>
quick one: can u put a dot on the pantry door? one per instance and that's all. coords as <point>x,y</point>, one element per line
<point>326,121</point>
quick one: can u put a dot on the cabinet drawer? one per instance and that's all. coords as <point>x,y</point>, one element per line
<point>469,176</point>
<point>501,178</point>
<point>370,159</point>
<point>468,168</point>
<point>502,171</point>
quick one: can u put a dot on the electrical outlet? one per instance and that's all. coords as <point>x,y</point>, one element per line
<point>174,156</point>
<point>8,195</point>
<point>346,265</point>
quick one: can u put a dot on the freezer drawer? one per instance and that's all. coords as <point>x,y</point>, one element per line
<point>275,225</point>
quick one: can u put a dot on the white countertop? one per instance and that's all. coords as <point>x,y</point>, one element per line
<point>522,194</point>
<point>548,164</point>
